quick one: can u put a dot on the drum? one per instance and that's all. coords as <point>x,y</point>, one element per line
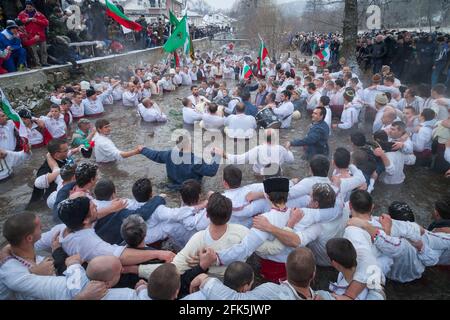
<point>267,119</point>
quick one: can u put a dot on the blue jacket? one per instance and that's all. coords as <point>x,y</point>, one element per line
<point>316,140</point>
<point>250,109</point>
<point>190,166</point>
<point>108,228</point>
<point>14,43</point>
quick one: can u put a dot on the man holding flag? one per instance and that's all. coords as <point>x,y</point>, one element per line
<point>180,37</point>
<point>324,55</point>
<point>9,123</point>
<point>263,54</point>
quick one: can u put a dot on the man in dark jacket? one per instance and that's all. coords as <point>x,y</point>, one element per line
<point>182,164</point>
<point>316,141</point>
<point>425,51</point>
<point>379,51</point>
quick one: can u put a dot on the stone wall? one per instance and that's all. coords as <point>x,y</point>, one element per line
<point>32,88</point>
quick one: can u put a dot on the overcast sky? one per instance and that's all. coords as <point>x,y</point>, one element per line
<point>227,4</point>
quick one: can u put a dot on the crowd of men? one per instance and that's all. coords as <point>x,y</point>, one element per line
<point>35,33</point>
<point>112,246</point>
<point>414,57</point>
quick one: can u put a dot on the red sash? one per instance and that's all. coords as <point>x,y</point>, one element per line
<point>47,136</point>
<point>273,271</point>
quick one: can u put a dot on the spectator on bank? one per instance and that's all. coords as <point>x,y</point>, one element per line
<point>9,39</point>
<point>35,23</point>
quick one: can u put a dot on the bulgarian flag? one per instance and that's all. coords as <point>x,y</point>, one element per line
<point>263,54</point>
<point>325,54</point>
<point>13,115</point>
<point>246,72</point>
<point>119,17</point>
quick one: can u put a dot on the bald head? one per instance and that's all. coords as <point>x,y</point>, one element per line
<point>104,268</point>
<point>147,102</point>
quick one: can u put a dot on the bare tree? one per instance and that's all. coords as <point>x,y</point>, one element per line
<point>350,30</point>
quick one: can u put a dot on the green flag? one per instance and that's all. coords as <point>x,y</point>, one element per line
<point>178,37</point>
<point>173,19</point>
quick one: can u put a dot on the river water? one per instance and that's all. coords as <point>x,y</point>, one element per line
<point>420,190</point>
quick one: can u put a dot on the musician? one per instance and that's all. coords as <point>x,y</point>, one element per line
<point>285,110</point>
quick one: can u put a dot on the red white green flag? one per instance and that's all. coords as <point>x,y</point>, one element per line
<point>325,54</point>
<point>246,72</point>
<point>263,54</point>
<point>13,115</point>
<point>119,17</point>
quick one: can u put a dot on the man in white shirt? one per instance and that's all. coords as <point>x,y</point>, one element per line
<point>285,110</point>
<point>394,161</point>
<point>77,108</point>
<point>166,84</point>
<point>440,104</point>
<point>104,150</point>
<point>54,122</point>
<point>266,158</point>
<point>422,140</point>
<point>93,104</point>
<point>186,79</point>
<point>22,231</point>
<point>34,128</point>
<point>130,97</point>
<point>150,111</point>
<point>177,80</point>
<point>7,137</point>
<point>146,91</point>
<point>195,97</point>
<point>372,265</point>
<point>211,119</point>
<point>118,90</point>
<point>9,160</point>
<point>313,100</point>
<point>243,210</point>
<point>240,125</point>
<point>190,115</point>
<point>380,103</point>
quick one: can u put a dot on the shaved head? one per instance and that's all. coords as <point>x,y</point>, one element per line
<point>105,268</point>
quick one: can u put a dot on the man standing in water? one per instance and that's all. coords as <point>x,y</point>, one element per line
<point>181,163</point>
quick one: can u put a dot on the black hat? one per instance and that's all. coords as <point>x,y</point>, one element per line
<point>72,212</point>
<point>90,92</point>
<point>276,185</point>
<point>25,113</point>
